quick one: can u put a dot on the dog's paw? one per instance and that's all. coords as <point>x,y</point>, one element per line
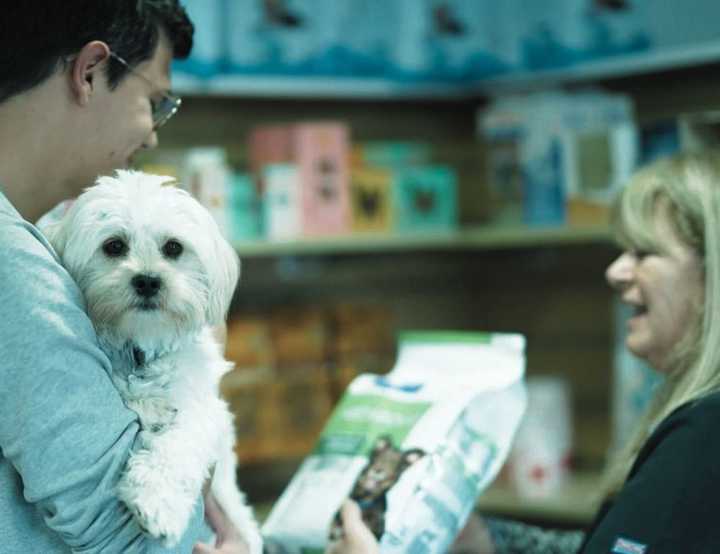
<point>155,414</point>
<point>161,517</point>
<point>160,507</point>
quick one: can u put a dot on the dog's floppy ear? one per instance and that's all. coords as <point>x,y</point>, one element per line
<point>223,278</point>
<point>54,228</point>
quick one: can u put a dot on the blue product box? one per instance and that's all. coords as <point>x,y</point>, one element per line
<point>543,187</point>
<point>206,58</point>
<point>424,199</point>
<point>244,217</point>
<point>247,50</point>
<point>464,41</point>
<point>659,139</point>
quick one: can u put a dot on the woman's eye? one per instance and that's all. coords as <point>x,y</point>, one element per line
<point>172,249</point>
<point>114,248</point>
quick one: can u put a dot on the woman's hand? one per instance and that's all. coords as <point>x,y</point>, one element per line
<point>357,539</point>
<point>227,538</point>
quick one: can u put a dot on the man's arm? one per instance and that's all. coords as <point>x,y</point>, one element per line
<point>63,426</point>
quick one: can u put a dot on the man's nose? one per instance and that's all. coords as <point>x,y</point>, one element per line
<point>151,141</point>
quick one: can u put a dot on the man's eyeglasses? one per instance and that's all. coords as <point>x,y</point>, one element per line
<point>161,111</point>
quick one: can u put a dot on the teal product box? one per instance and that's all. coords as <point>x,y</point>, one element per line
<point>424,199</point>
<point>244,217</point>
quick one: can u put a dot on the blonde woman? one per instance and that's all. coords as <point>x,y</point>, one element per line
<point>663,490</point>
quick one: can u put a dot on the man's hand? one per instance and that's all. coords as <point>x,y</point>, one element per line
<point>358,539</point>
<point>227,538</point>
<point>474,538</point>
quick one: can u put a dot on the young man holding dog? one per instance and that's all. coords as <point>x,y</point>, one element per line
<point>84,85</point>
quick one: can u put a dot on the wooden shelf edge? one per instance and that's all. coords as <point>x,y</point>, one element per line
<point>476,238</point>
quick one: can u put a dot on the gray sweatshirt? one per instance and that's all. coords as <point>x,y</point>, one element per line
<point>65,434</point>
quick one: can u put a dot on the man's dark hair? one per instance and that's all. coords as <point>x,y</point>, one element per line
<point>36,35</point>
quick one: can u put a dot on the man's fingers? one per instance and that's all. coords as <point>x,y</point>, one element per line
<point>356,532</point>
<point>202,548</point>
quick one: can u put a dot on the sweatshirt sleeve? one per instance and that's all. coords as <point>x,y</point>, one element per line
<point>63,426</point>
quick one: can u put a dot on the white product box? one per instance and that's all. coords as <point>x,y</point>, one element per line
<point>282,206</point>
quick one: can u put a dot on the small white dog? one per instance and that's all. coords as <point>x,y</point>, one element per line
<point>156,274</point>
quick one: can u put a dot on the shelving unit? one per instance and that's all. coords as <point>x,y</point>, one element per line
<point>545,282</point>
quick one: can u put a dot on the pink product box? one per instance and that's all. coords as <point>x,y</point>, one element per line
<point>321,152</point>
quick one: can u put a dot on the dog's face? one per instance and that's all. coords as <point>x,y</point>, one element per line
<point>149,259</point>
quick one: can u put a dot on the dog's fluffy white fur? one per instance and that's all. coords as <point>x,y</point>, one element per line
<point>156,274</point>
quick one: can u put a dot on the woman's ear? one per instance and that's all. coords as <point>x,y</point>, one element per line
<point>87,65</point>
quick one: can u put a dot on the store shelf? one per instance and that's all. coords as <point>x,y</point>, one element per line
<point>357,88</point>
<point>574,504</point>
<point>350,88</point>
<point>479,238</point>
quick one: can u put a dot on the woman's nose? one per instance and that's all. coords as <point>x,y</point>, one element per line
<point>620,273</point>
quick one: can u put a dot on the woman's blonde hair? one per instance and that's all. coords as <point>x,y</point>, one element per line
<point>685,188</point>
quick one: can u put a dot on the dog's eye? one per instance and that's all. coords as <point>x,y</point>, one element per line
<point>172,249</point>
<point>114,248</point>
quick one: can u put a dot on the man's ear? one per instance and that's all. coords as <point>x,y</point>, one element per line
<point>87,66</point>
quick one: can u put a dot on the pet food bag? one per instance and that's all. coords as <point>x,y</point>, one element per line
<point>414,448</point>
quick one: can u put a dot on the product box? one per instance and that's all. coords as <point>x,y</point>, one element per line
<point>292,29</point>
<point>539,461</point>
<point>206,175</point>
<point>574,149</point>
<point>281,205</point>
<point>424,199</point>
<point>407,26</point>
<point>364,337</point>
<point>244,217</point>
<point>698,130</point>
<point>370,193</point>
<point>300,339</point>
<point>248,344</point>
<point>502,126</point>
<point>351,43</point>
<point>268,144</point>
<point>601,147</point>
<point>659,138</point>
<point>206,58</point>
<point>247,49</point>
<point>464,38</point>
<point>277,419</point>
<point>321,151</point>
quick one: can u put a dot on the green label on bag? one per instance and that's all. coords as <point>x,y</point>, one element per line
<point>360,419</point>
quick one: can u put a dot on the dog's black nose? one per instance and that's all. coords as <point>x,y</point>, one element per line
<point>146,286</point>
